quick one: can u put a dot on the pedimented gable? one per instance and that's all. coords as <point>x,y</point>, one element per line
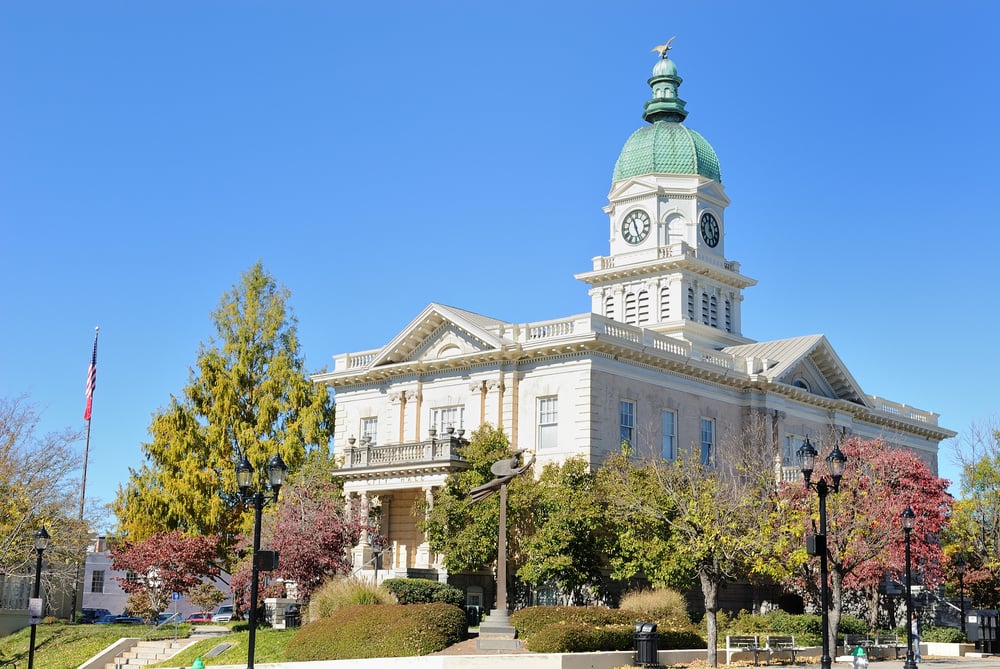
<point>448,341</point>
<point>808,363</point>
<point>440,332</point>
<point>634,187</point>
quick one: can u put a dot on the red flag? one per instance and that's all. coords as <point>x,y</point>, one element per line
<point>91,379</point>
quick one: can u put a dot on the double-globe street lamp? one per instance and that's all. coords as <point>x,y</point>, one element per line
<point>41,543</point>
<point>276,472</point>
<point>816,544</point>
<point>908,517</point>
<point>960,571</point>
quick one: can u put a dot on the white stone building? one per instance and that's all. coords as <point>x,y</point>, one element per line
<point>661,361</point>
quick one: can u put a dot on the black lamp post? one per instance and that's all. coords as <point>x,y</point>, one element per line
<point>960,570</point>
<point>41,543</point>
<point>276,472</point>
<point>908,517</point>
<point>817,543</point>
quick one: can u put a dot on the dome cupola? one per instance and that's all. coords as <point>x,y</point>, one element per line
<point>666,146</point>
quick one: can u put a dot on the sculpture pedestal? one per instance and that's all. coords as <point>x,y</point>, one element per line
<point>496,632</point>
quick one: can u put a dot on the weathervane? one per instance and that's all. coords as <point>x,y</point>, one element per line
<point>664,48</point>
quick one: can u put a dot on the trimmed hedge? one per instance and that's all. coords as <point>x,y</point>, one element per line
<point>386,630</point>
<point>576,629</point>
<point>807,628</point>
<point>940,635</point>
<point>423,591</point>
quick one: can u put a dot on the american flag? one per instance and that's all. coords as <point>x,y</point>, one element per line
<point>91,380</point>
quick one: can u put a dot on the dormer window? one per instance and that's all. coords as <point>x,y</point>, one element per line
<point>799,382</point>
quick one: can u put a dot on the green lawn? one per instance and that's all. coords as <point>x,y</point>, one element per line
<point>65,646</point>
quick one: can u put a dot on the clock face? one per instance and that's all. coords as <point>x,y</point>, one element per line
<point>709,229</point>
<point>635,227</point>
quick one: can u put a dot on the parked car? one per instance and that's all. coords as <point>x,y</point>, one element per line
<point>199,617</point>
<point>123,619</point>
<point>167,617</point>
<point>223,614</point>
<point>93,615</point>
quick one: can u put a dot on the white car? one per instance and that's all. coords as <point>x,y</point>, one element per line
<point>224,614</point>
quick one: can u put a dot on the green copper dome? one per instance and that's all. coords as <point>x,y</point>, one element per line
<point>666,146</point>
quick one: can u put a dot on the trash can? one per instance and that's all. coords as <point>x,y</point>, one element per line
<point>647,643</point>
<point>473,616</point>
<point>293,616</point>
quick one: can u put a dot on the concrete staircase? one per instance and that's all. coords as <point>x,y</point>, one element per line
<point>147,652</point>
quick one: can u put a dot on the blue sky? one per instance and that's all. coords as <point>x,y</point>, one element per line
<point>381,156</point>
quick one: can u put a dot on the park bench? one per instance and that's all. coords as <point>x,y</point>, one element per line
<point>852,641</point>
<point>743,643</point>
<point>781,644</point>
<point>890,641</point>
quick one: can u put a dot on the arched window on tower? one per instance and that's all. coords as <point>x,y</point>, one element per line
<point>664,304</point>
<point>714,315</point>
<point>704,308</point>
<point>643,307</point>
<point>630,309</point>
<point>609,306</point>
<point>691,304</point>
<point>729,315</point>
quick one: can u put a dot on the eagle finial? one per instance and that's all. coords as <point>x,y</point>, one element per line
<point>664,48</point>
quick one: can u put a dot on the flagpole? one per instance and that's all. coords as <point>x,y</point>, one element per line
<point>91,385</point>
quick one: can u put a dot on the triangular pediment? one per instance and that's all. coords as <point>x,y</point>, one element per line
<point>440,332</point>
<point>807,363</point>
<point>634,187</point>
<point>714,192</point>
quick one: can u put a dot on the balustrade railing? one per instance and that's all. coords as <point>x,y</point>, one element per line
<point>429,451</point>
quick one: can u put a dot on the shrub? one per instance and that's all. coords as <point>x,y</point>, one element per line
<point>581,628</point>
<point>941,635</point>
<point>578,637</point>
<point>666,607</point>
<point>423,591</point>
<point>532,619</point>
<point>389,630</point>
<point>340,592</point>
<point>806,628</point>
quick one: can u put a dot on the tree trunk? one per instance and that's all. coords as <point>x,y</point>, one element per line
<point>710,590</point>
<point>874,601</point>
<point>836,606</point>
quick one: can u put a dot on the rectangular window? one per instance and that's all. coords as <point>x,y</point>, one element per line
<point>548,422</point>
<point>793,443</point>
<point>707,441</point>
<point>369,428</point>
<point>669,446</point>
<point>627,422</point>
<point>97,581</point>
<point>444,417</point>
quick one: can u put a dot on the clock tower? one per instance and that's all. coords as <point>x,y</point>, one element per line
<point>667,269</point>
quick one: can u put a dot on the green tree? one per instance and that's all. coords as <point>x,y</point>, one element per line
<point>248,395</point>
<point>465,533</point>
<point>569,544</point>
<point>684,521</point>
<point>974,529</point>
<point>555,524</point>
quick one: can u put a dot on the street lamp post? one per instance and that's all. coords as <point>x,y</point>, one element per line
<point>41,543</point>
<point>960,570</point>
<point>908,517</point>
<point>276,472</point>
<point>835,461</point>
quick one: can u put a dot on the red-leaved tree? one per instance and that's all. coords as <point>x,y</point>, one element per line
<point>164,563</point>
<point>313,534</point>
<point>865,538</point>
